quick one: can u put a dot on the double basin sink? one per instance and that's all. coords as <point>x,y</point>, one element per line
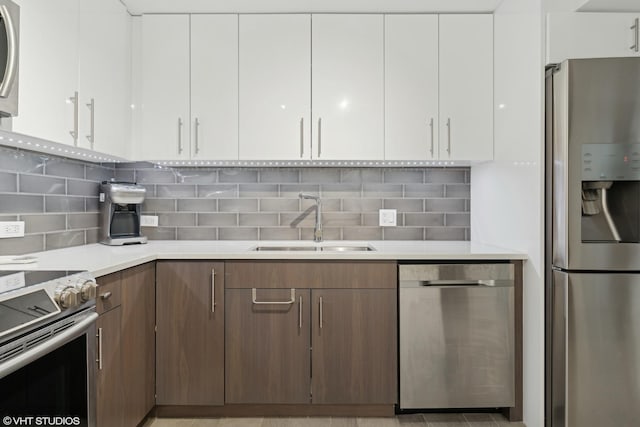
<point>319,248</point>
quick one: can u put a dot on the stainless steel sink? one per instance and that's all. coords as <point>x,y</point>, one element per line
<point>327,248</point>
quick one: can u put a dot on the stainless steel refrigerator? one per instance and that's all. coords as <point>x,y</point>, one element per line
<point>593,243</point>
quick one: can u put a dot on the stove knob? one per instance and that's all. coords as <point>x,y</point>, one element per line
<point>67,297</point>
<point>88,290</point>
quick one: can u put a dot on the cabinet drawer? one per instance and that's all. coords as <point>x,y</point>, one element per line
<point>108,295</point>
<point>306,274</point>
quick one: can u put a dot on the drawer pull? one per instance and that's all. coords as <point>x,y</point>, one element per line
<point>106,295</point>
<point>255,300</point>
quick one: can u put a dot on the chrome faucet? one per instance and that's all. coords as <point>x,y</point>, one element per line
<point>317,231</point>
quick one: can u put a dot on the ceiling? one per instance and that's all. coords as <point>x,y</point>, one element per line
<point>137,7</point>
<point>610,6</point>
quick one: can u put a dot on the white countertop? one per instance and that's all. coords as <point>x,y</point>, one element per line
<point>100,259</point>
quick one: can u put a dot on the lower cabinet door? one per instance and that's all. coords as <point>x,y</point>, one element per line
<point>354,343</point>
<point>190,336</point>
<point>109,397</point>
<point>267,346</point>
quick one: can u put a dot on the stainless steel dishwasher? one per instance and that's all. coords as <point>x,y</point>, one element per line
<point>456,336</point>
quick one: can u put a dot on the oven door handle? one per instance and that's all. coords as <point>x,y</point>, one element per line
<point>40,350</point>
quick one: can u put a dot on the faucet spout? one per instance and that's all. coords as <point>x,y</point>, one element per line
<point>317,231</point>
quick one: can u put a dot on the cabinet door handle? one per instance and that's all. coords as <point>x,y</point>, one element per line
<point>92,136</point>
<point>321,313</point>
<point>74,132</point>
<point>99,360</point>
<point>255,300</point>
<point>301,137</point>
<point>213,290</point>
<point>106,295</point>
<point>636,34</point>
<point>449,137</point>
<point>431,130</point>
<point>12,53</point>
<point>319,136</point>
<point>179,135</point>
<point>300,312</point>
<point>197,127</point>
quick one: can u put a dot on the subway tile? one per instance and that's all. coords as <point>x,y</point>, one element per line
<point>424,190</point>
<point>404,205</point>
<point>237,175</point>
<point>328,233</point>
<point>361,205</point>
<point>328,205</point>
<point>457,220</point>
<point>403,233</point>
<point>237,233</point>
<point>175,190</point>
<point>65,168</point>
<point>8,182</point>
<point>92,235</point>
<point>258,190</point>
<point>319,175</point>
<point>83,220</point>
<point>445,233</point>
<point>462,191</point>
<point>381,190</point>
<point>155,176</point>
<point>39,184</point>
<point>279,205</point>
<point>340,191</point>
<point>21,203</point>
<point>150,190</point>
<point>10,218</point>
<point>445,205</point>
<point>341,219</point>
<point>301,219</point>
<point>279,233</point>
<point>160,205</point>
<point>159,233</point>
<point>403,176</point>
<point>64,204</point>
<point>125,175</point>
<point>446,176</point>
<point>99,173</point>
<point>218,191</point>
<point>197,233</point>
<point>15,161</point>
<point>361,175</point>
<point>65,239</point>
<point>176,219</point>
<point>197,205</point>
<point>136,165</point>
<point>258,219</point>
<point>279,176</point>
<point>423,219</point>
<point>217,219</point>
<point>83,188</point>
<point>91,204</point>
<point>196,176</point>
<point>22,245</point>
<point>292,190</point>
<point>362,233</point>
<point>238,205</point>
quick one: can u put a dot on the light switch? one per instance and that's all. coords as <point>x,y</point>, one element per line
<point>388,217</point>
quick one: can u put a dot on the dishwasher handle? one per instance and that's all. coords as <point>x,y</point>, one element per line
<point>444,282</point>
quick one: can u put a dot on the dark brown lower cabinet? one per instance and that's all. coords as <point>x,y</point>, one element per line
<point>109,390</point>
<point>190,311</point>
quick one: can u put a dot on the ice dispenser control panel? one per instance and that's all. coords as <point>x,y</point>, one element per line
<point>611,162</point>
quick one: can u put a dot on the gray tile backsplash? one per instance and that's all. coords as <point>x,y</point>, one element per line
<point>58,200</point>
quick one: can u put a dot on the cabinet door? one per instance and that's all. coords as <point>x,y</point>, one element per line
<point>48,69</point>
<point>190,337</point>
<point>348,85</point>
<point>165,87</point>
<point>466,87</point>
<point>411,87</point>
<point>138,342</point>
<point>590,35</point>
<point>104,76</point>
<point>214,87</point>
<point>267,349</point>
<point>110,393</point>
<point>354,340</point>
<point>275,84</point>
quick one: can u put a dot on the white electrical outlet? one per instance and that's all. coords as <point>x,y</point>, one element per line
<point>148,220</point>
<point>388,217</point>
<point>11,229</point>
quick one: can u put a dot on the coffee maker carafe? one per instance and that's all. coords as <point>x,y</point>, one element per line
<point>120,209</point>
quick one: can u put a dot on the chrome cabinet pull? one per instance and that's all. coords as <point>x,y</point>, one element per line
<point>74,132</point>
<point>636,34</point>
<point>106,295</point>
<point>321,313</point>
<point>301,137</point>
<point>300,312</point>
<point>12,53</point>
<point>319,136</point>
<point>197,125</point>
<point>431,127</point>
<point>213,290</point>
<point>255,300</point>
<point>449,137</point>
<point>179,135</point>
<point>91,137</point>
<point>99,360</point>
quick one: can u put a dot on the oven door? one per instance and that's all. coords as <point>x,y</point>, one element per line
<point>47,377</point>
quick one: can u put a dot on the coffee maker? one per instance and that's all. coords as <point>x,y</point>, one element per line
<point>120,208</point>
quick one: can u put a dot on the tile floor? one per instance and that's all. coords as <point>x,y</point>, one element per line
<point>415,420</point>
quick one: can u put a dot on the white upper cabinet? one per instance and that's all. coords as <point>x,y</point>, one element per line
<point>347,87</point>
<point>466,87</point>
<point>275,87</point>
<point>592,35</point>
<point>189,87</point>
<point>411,87</point>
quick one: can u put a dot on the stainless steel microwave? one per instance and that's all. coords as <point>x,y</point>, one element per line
<point>9,54</point>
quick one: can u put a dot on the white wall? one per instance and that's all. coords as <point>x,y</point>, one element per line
<point>507,194</point>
